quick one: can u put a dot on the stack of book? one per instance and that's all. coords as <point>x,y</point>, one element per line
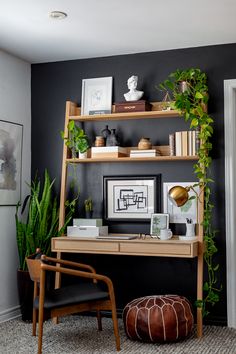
<point>184,143</point>
<point>108,151</point>
<point>87,228</point>
<point>142,153</point>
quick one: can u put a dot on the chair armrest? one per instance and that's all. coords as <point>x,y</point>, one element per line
<point>79,273</point>
<point>68,263</point>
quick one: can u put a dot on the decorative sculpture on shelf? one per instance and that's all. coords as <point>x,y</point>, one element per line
<point>133,94</point>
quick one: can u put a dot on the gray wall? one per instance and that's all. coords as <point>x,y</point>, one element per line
<point>15,107</point>
<point>54,83</point>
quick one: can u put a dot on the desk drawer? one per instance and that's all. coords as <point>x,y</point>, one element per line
<point>159,249</point>
<point>86,246</point>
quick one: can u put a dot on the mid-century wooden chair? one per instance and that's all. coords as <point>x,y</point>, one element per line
<point>86,296</point>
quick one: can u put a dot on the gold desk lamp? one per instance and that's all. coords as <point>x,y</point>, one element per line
<point>178,195</point>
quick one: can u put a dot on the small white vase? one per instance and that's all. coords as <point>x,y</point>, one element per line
<point>83,155</point>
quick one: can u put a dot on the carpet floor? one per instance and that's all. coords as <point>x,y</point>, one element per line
<point>78,334</point>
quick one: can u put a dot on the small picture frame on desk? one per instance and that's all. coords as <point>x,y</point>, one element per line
<point>159,222</point>
<point>131,198</point>
<point>96,96</point>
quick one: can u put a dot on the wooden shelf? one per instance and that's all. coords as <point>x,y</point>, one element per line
<point>134,159</point>
<point>156,112</point>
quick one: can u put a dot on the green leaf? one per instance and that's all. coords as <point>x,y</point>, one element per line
<point>198,95</point>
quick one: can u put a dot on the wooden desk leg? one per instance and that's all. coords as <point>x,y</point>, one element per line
<point>57,284</point>
<point>199,291</point>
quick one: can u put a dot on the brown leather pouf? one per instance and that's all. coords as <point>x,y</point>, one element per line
<point>163,318</point>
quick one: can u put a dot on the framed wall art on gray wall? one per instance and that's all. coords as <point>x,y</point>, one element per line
<point>11,135</point>
<point>131,197</point>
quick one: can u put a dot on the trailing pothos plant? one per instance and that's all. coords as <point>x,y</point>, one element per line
<point>190,97</point>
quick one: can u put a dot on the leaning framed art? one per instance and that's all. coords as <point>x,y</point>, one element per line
<point>96,96</point>
<point>177,214</point>
<point>131,197</point>
<point>11,135</point>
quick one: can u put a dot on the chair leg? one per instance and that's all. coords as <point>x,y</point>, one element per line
<point>115,326</point>
<point>40,330</point>
<point>40,311</point>
<point>99,320</point>
<point>35,310</point>
<point>34,321</point>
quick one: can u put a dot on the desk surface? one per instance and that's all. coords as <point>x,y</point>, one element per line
<point>148,247</point>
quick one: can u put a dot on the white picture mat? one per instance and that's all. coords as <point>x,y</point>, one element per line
<point>130,198</point>
<point>178,215</point>
<point>159,222</point>
<point>10,162</point>
<point>96,95</point>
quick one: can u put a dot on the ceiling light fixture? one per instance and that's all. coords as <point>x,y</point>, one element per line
<point>58,15</point>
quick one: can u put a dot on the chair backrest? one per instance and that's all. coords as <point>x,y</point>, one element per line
<point>34,267</point>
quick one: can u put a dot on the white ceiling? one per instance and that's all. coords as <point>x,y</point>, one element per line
<point>96,28</point>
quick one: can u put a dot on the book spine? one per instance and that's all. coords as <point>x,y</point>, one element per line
<point>184,136</point>
<point>178,144</point>
<point>197,141</point>
<point>172,144</point>
<point>190,143</point>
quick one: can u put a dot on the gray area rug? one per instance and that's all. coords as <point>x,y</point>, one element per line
<point>78,334</point>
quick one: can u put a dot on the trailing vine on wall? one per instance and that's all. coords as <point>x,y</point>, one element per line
<point>190,94</point>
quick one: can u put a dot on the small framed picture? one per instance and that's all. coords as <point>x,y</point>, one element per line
<point>159,222</point>
<point>131,197</point>
<point>96,96</point>
<point>179,215</point>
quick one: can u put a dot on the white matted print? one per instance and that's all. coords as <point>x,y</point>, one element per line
<point>178,215</point>
<point>96,96</point>
<point>10,162</point>
<point>130,197</point>
<point>159,222</point>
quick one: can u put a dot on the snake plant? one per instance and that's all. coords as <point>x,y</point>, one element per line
<point>40,219</point>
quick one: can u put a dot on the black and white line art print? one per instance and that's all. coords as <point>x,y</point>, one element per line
<point>131,197</point>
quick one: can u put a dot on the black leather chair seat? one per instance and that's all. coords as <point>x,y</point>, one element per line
<point>72,294</point>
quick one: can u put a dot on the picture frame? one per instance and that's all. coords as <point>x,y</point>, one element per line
<point>178,215</point>
<point>11,135</point>
<point>96,96</point>
<point>131,198</point>
<point>159,221</point>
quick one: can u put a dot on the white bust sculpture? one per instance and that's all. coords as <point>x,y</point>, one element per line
<point>133,94</point>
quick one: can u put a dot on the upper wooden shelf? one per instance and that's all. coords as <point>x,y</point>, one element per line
<point>156,112</point>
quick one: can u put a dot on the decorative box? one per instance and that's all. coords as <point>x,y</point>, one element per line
<point>87,231</point>
<point>108,151</point>
<point>87,222</point>
<point>134,106</point>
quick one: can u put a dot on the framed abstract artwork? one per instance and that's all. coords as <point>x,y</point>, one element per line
<point>11,135</point>
<point>131,197</point>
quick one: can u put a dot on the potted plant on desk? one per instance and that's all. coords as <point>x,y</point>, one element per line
<point>88,205</point>
<point>39,223</point>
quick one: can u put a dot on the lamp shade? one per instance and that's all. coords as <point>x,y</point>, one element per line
<point>178,195</point>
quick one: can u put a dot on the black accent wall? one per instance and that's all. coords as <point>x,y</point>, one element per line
<point>54,83</point>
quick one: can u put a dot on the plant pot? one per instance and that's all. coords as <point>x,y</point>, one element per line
<point>83,155</point>
<point>88,214</point>
<point>25,292</point>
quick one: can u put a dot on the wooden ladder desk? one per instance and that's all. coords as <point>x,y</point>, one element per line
<point>138,247</point>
